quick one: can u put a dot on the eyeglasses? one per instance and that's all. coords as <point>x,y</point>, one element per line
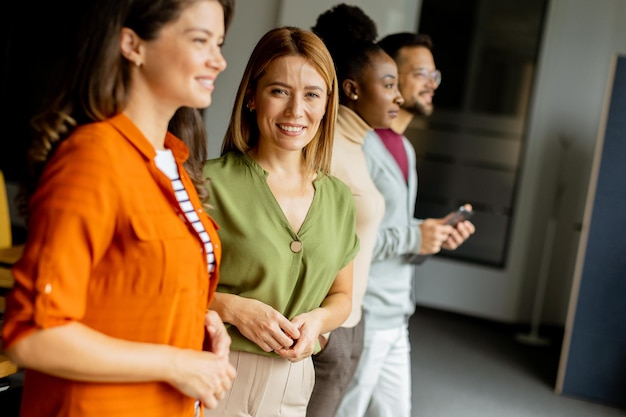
<point>434,76</point>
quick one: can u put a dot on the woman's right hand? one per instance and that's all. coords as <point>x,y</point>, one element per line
<point>264,325</point>
<point>75,351</point>
<point>202,375</point>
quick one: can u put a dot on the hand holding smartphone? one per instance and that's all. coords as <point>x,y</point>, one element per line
<point>461,214</point>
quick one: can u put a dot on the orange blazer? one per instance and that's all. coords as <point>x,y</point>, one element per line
<point>108,246</point>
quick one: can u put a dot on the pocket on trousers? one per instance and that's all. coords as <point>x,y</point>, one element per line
<point>298,388</point>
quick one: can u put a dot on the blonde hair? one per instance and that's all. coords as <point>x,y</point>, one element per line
<point>243,132</point>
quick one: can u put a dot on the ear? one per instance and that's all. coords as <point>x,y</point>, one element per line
<point>130,46</point>
<point>350,88</point>
<point>250,104</point>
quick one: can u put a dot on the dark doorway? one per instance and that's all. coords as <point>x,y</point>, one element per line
<point>470,149</point>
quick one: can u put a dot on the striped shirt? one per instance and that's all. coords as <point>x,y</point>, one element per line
<point>164,160</point>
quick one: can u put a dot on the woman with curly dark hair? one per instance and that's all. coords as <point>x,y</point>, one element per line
<point>369,98</point>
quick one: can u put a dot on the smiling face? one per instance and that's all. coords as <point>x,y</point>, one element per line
<point>377,90</point>
<point>290,102</point>
<point>418,90</point>
<point>181,65</point>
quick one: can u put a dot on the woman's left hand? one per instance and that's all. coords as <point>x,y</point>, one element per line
<point>304,346</point>
<point>334,309</point>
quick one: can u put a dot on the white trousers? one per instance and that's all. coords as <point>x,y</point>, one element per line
<point>381,386</point>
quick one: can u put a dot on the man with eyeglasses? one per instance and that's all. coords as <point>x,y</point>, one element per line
<point>381,386</point>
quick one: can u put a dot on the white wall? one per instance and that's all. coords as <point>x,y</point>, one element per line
<point>580,39</point>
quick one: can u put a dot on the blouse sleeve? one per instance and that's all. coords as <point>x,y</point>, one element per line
<point>72,220</point>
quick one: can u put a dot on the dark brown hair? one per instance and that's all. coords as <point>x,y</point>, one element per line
<point>396,41</point>
<point>96,87</point>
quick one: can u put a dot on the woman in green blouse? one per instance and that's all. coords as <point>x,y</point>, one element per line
<point>287,227</point>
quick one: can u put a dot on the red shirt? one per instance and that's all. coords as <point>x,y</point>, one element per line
<point>394,143</point>
<point>108,247</point>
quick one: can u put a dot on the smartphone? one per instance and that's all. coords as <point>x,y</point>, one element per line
<point>460,215</point>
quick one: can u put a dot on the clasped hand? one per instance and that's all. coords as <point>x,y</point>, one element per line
<point>291,339</point>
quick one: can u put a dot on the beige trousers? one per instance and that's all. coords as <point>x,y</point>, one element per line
<point>266,387</point>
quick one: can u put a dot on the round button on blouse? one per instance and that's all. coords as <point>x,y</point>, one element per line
<point>296,246</point>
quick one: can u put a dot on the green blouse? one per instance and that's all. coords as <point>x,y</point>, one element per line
<point>262,256</point>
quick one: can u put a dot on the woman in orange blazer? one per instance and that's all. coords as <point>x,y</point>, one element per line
<point>109,310</point>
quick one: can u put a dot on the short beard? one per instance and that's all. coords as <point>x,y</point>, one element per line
<point>418,109</point>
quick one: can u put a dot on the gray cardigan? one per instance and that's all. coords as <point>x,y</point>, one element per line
<point>388,300</point>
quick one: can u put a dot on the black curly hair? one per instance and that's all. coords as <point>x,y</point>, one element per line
<point>350,36</point>
<point>348,21</point>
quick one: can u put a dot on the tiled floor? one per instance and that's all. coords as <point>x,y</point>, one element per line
<point>467,367</point>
